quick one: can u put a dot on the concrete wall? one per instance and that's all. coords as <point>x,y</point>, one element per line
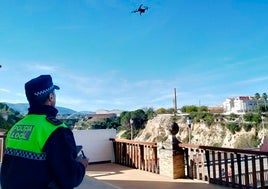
<point>96,144</point>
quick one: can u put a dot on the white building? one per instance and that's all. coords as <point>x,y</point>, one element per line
<point>241,104</point>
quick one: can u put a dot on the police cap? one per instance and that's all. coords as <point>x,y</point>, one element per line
<point>39,87</point>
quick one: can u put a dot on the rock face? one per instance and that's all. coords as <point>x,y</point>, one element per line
<point>156,130</point>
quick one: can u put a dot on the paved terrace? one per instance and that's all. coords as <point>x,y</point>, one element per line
<point>113,176</point>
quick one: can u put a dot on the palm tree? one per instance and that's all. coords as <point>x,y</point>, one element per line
<point>264,97</point>
<point>257,97</point>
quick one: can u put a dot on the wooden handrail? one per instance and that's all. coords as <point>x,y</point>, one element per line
<point>134,142</point>
<point>237,168</point>
<point>233,150</point>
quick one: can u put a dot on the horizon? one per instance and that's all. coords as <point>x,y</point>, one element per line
<point>102,56</point>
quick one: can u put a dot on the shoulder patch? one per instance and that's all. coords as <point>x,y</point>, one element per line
<point>53,120</point>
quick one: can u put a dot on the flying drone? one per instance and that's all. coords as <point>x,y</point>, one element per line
<point>141,9</point>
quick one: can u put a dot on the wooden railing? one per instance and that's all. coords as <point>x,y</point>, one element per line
<point>230,167</point>
<point>227,166</point>
<point>139,155</point>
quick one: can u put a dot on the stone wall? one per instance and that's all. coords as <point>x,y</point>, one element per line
<point>171,164</point>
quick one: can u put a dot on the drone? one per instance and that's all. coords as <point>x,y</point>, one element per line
<point>141,9</point>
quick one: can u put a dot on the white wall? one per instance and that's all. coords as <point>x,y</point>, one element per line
<point>96,144</point>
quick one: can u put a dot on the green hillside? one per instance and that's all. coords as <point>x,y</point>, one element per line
<point>8,116</point>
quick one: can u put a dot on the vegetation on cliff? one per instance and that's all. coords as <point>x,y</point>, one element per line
<point>238,131</point>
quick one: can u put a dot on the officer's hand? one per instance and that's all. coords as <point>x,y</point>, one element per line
<point>82,159</point>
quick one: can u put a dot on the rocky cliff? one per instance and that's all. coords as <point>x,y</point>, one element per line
<point>201,134</point>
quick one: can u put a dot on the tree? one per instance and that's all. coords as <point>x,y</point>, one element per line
<point>264,97</point>
<point>203,108</point>
<point>124,120</point>
<point>161,111</point>
<point>257,97</point>
<point>139,118</point>
<point>189,109</point>
<point>150,113</point>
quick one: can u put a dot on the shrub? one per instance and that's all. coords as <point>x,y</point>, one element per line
<point>247,126</point>
<point>255,141</point>
<point>217,144</point>
<point>233,127</point>
<point>246,141</point>
<point>147,136</point>
<point>250,117</point>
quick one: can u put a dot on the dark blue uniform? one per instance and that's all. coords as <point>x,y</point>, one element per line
<point>59,167</point>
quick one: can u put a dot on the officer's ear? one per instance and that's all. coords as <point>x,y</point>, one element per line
<point>51,96</point>
<point>51,99</point>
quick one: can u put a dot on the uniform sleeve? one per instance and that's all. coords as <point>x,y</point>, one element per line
<point>61,155</point>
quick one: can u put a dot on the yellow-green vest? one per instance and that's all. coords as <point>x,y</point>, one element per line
<point>28,137</point>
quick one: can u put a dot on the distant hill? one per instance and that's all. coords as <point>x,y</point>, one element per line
<point>78,114</point>
<point>23,109</point>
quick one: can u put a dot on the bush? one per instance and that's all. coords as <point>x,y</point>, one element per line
<point>217,144</point>
<point>233,117</point>
<point>233,127</point>
<point>147,136</point>
<point>246,141</point>
<point>247,126</point>
<point>255,141</point>
<point>208,118</point>
<point>250,117</point>
<point>127,134</point>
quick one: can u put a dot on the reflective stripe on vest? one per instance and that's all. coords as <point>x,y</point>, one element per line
<point>28,137</point>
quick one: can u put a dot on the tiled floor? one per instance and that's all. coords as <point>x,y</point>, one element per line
<point>113,176</point>
<point>122,177</point>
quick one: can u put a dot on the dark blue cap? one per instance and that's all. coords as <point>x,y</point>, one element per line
<point>39,87</point>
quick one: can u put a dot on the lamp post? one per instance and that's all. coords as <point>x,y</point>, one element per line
<point>189,122</point>
<point>131,128</point>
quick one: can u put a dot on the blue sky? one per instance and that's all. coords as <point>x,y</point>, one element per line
<point>105,57</point>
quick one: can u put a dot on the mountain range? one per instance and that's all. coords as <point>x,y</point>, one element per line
<point>23,109</point>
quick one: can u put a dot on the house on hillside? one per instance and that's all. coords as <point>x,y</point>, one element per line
<point>241,104</point>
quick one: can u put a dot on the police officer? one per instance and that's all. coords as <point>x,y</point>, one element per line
<point>40,150</point>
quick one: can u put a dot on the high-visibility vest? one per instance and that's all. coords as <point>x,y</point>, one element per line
<point>28,137</point>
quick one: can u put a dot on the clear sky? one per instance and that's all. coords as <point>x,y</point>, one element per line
<point>105,57</point>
